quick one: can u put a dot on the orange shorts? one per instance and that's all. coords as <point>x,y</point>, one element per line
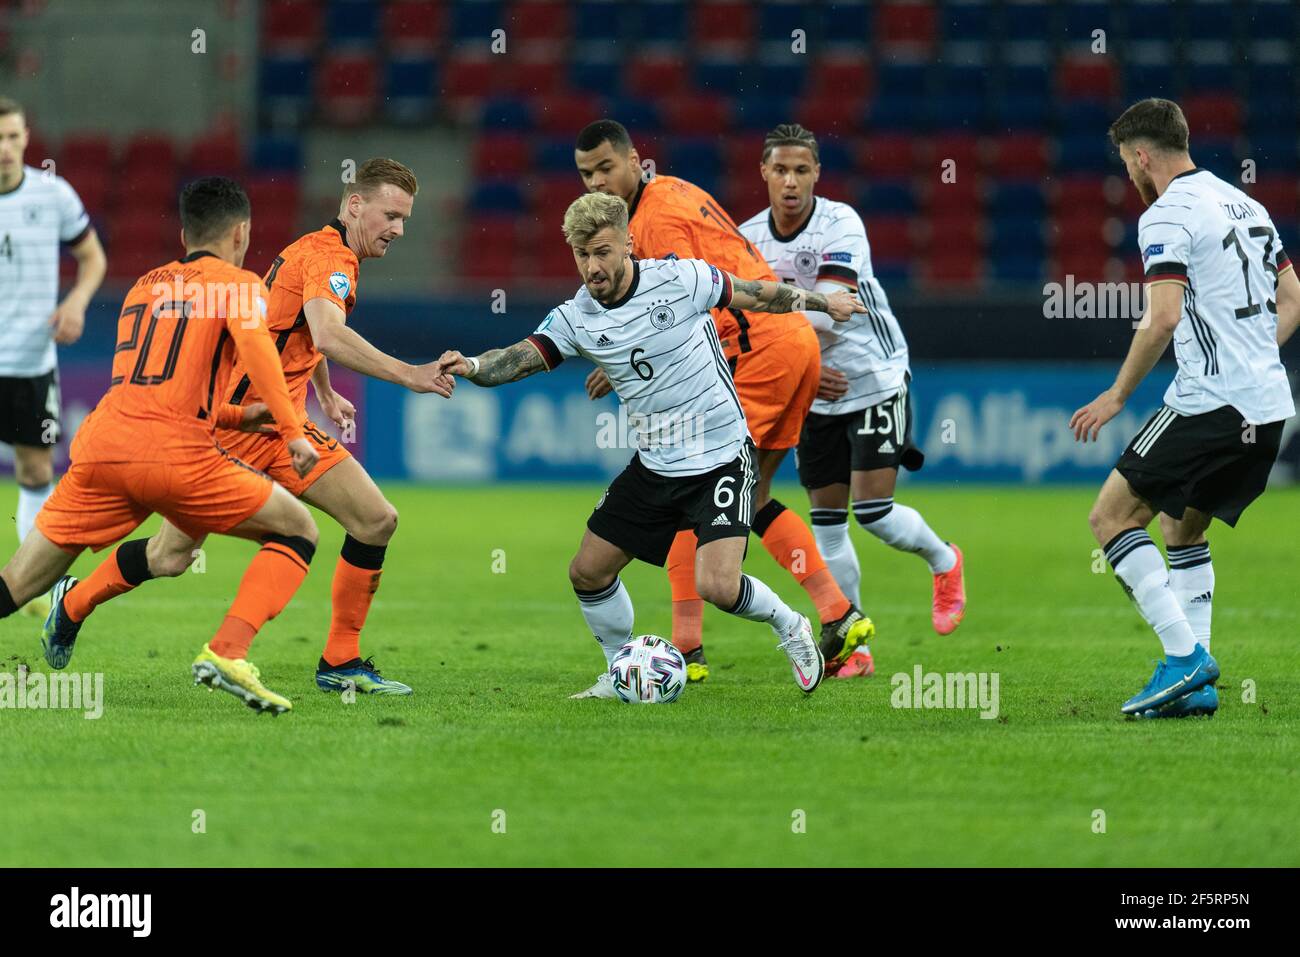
<point>98,503</point>
<point>269,454</point>
<point>777,383</point>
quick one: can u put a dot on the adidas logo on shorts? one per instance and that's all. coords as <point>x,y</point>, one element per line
<point>887,446</point>
<point>722,520</point>
<point>604,340</point>
<point>1202,598</point>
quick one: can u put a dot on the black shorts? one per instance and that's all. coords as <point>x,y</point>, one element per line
<point>1213,462</point>
<point>29,410</point>
<point>878,437</point>
<point>641,512</point>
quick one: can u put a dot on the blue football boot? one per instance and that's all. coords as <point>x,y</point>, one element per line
<point>60,633</point>
<point>1173,678</point>
<point>363,675</point>
<point>1204,701</point>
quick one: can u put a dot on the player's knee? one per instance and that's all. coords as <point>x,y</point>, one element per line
<point>381,526</point>
<point>585,578</point>
<point>1100,523</point>
<point>300,524</point>
<point>169,564</point>
<point>717,587</point>
<point>31,473</point>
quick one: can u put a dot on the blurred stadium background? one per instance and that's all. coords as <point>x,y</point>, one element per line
<point>130,98</point>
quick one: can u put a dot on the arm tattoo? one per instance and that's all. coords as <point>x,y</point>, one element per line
<point>509,364</point>
<point>779,297</point>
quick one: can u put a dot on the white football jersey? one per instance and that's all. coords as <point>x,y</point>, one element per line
<point>1222,247</point>
<point>831,248</point>
<point>659,347</point>
<point>41,212</point>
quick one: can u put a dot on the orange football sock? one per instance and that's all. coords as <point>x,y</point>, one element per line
<point>688,606</point>
<point>790,541</point>
<point>270,581</point>
<point>356,579</point>
<point>117,574</point>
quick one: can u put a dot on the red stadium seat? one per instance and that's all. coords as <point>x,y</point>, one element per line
<point>953,228</point>
<point>536,22</point>
<point>693,114</point>
<point>291,26</point>
<point>743,196</point>
<point>1213,114</point>
<point>1019,156</point>
<point>564,113</point>
<point>963,148</point>
<point>906,25</point>
<point>413,27</point>
<point>843,78</point>
<point>533,75</point>
<point>841,188</point>
<point>551,195</point>
<point>1086,193</point>
<point>1280,195</point>
<point>86,151</point>
<point>656,74</point>
<point>890,237</point>
<point>497,155</point>
<point>140,186</point>
<point>722,27</point>
<point>1087,76</point>
<point>470,76</point>
<point>887,156</point>
<point>743,153</point>
<point>952,266</point>
<point>964,196</point>
<point>217,153</point>
<point>347,88</point>
<point>831,116</point>
<point>490,247</point>
<point>150,151</point>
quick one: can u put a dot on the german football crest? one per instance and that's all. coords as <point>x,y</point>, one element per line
<point>662,318</point>
<point>805,263</point>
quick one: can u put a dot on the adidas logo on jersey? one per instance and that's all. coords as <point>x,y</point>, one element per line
<point>604,340</point>
<point>1202,598</point>
<point>886,446</point>
<point>722,520</point>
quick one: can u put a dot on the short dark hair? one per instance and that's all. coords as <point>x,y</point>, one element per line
<point>601,131</point>
<point>378,172</point>
<point>8,106</point>
<point>790,134</point>
<point>210,206</point>
<point>1160,122</point>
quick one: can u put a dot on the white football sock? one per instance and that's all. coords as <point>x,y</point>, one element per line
<point>1141,568</point>
<point>903,528</point>
<point>1191,576</point>
<point>831,529</point>
<point>609,616</point>
<point>757,602</point>
<point>30,501</point>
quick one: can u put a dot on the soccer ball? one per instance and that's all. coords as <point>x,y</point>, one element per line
<point>648,670</point>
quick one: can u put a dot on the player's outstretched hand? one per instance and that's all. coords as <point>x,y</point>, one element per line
<point>337,409</point>
<point>842,305</point>
<point>1087,422</point>
<point>833,384</point>
<point>453,363</point>
<point>598,384</point>
<point>257,418</point>
<point>304,456</point>
<point>67,322</point>
<point>431,377</point>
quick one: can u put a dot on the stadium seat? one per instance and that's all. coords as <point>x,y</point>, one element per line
<point>276,153</point>
<point>839,116</point>
<point>1086,76</point>
<point>958,227</point>
<point>489,248</point>
<point>1214,20</point>
<point>498,196</point>
<point>501,155</point>
<point>664,24</point>
<point>1026,21</point>
<point>695,114</point>
<point>907,25</point>
<point>285,89</point>
<point>1212,114</point>
<point>639,116</point>
<point>887,155</point>
<point>534,74</point>
<point>722,27</point>
<point>1082,17</point>
<point>552,194</point>
<point>150,152</point>
<point>414,28</point>
<point>758,114</point>
<point>409,85</point>
<point>505,113</point>
<point>534,23</point>
<point>653,75</point>
<point>291,27</point>
<point>86,150</point>
<point>888,198</point>
<point>835,156</point>
<point>1153,21</point>
<point>598,23</point>
<point>948,266</point>
<point>1269,19</point>
<point>778,20</point>
<point>470,76</point>
<point>841,77</point>
<point>353,24</point>
<point>1019,155</point>
<point>563,113</point>
<point>553,154</point>
<point>967,21</point>
<point>472,24</point>
<point>216,153</point>
<point>347,88</point>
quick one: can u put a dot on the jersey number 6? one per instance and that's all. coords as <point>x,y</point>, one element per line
<point>641,367</point>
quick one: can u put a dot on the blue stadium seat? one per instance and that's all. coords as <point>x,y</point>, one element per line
<point>1087,152</point>
<point>1218,156</point>
<point>1210,77</point>
<point>963,100</point>
<point>780,79</point>
<point>637,115</point>
<point>835,157</point>
<point>596,76</point>
<point>1018,200</point>
<point>1023,106</point>
<point>1027,22</point>
<point>409,86</point>
<point>474,20</point>
<point>1210,20</point>
<point>497,197</point>
<point>1015,236</point>
<point>1081,17</point>
<point>352,22</point>
<point>1015,265</point>
<point>663,23</point>
<point>554,155</point>
<point>506,115</point>
<point>697,160</point>
<point>892,273</point>
<point>758,114</point>
<point>888,198</point>
<point>1154,21</point>
<point>598,20</point>
<point>723,77</point>
<point>275,153</point>
<point>286,77</point>
<point>900,112</point>
<point>1150,79</point>
<point>965,22</point>
<point>1269,19</point>
<point>1275,150</point>
<point>1083,116</point>
<point>846,22</point>
<point>777,20</point>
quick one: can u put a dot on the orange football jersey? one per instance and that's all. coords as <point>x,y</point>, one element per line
<point>319,265</point>
<point>180,330</point>
<point>671,217</point>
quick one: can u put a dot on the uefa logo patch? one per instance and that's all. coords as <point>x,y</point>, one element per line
<point>662,318</point>
<point>340,284</point>
<point>805,263</point>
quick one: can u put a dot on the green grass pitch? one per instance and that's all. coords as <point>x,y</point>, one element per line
<point>743,770</point>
